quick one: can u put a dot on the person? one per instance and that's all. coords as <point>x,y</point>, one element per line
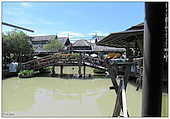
<point>13,66</point>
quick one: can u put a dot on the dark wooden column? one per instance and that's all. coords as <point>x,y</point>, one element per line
<point>154,28</point>
<point>84,71</point>
<point>61,70</point>
<point>53,70</point>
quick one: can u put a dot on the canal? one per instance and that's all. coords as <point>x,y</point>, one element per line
<point>51,96</point>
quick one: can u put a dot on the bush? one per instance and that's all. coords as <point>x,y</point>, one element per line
<point>26,73</point>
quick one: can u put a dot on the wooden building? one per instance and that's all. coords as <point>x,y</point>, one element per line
<point>38,43</point>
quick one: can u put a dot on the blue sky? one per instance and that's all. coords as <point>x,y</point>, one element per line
<point>79,19</point>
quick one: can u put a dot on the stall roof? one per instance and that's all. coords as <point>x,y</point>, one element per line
<point>106,48</point>
<point>124,38</point>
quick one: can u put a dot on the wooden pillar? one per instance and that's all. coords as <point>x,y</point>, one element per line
<point>79,67</point>
<point>61,70</point>
<point>53,70</point>
<point>154,30</point>
<point>84,71</point>
<point>79,70</point>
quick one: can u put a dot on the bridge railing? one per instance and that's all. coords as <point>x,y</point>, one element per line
<point>95,61</point>
<point>50,60</point>
<point>62,59</point>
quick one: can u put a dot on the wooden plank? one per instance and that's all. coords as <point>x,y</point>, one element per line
<point>118,103</point>
<point>125,110</point>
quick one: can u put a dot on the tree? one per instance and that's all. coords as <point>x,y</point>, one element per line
<point>16,43</point>
<point>54,45</point>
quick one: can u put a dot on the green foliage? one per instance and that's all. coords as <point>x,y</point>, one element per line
<point>26,73</point>
<point>54,45</point>
<point>16,43</point>
<point>76,55</point>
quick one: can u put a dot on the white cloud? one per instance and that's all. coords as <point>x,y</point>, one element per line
<point>70,34</point>
<point>25,4</point>
<point>98,33</point>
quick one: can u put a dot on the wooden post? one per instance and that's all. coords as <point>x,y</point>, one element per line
<point>61,70</point>
<point>124,104</point>
<point>84,71</point>
<point>118,103</point>
<point>53,70</point>
<point>79,63</point>
<point>154,31</point>
<point>79,71</point>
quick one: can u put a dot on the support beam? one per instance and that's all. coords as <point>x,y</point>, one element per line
<point>11,25</point>
<point>61,70</point>
<point>153,57</point>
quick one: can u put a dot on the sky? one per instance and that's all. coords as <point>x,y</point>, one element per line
<point>78,20</point>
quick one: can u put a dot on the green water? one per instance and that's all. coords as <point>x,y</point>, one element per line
<point>42,96</point>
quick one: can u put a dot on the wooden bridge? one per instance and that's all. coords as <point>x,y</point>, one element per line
<point>61,60</point>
